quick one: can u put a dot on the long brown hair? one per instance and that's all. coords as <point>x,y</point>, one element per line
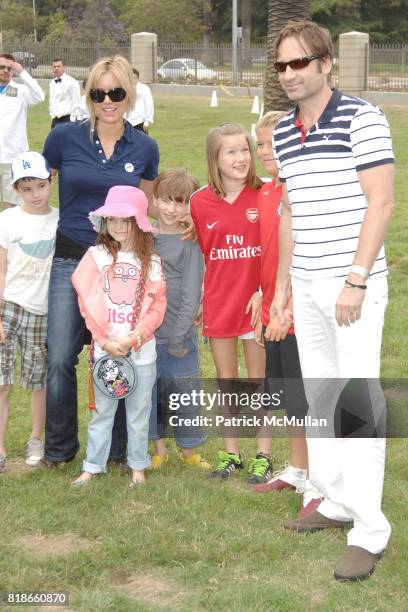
<point>214,140</point>
<point>141,245</point>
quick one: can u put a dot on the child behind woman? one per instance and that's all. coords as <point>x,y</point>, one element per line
<point>177,346</point>
<point>122,297</point>
<point>282,358</point>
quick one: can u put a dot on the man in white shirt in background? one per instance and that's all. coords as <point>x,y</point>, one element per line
<point>141,116</point>
<point>15,98</point>
<point>65,95</point>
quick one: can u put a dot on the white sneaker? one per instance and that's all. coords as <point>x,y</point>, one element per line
<point>288,478</point>
<point>34,451</point>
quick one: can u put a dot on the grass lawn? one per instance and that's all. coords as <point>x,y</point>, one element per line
<point>184,542</point>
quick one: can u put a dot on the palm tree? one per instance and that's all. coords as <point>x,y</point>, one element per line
<point>279,13</point>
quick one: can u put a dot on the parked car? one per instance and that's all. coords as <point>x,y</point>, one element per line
<point>25,58</point>
<point>186,69</point>
<point>260,60</point>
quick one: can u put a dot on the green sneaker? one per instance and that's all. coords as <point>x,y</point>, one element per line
<point>227,464</point>
<point>259,469</point>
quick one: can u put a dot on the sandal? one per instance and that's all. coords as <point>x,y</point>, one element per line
<point>135,483</point>
<point>80,482</point>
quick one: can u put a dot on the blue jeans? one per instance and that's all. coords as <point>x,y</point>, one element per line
<point>176,375</point>
<point>65,340</point>
<point>138,406</point>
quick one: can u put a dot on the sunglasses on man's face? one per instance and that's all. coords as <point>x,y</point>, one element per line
<point>296,64</point>
<point>116,94</point>
<point>3,67</point>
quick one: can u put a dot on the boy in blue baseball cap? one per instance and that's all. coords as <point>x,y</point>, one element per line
<point>27,240</point>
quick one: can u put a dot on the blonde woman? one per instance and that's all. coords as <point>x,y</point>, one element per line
<point>90,157</point>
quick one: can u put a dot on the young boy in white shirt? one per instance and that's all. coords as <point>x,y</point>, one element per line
<point>27,241</point>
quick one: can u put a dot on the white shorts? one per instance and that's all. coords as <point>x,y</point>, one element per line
<point>247,336</point>
<point>7,193</point>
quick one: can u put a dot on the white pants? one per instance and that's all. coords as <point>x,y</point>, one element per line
<point>348,471</point>
<point>7,193</point>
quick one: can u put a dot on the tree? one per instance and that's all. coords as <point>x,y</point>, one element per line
<point>246,20</point>
<point>99,24</point>
<point>16,23</point>
<point>337,15</point>
<point>172,21</point>
<point>207,23</point>
<point>279,13</point>
<point>59,30</point>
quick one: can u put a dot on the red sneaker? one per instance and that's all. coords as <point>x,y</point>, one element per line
<point>272,485</point>
<point>310,507</point>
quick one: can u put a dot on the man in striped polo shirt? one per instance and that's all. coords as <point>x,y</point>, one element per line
<point>335,157</point>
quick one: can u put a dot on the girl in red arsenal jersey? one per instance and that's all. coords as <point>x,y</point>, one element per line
<point>225,214</point>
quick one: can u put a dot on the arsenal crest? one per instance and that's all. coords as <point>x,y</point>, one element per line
<point>252,214</point>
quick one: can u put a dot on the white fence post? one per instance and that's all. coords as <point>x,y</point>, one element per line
<point>143,54</point>
<point>353,62</point>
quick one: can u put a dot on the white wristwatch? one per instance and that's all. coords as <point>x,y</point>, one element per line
<point>360,271</point>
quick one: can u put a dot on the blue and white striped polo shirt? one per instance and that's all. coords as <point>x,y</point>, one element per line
<point>325,194</point>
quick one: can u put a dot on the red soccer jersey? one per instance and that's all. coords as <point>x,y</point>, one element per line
<point>269,197</point>
<point>229,239</point>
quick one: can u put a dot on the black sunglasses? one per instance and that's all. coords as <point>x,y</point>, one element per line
<point>116,94</point>
<point>3,67</point>
<point>296,64</point>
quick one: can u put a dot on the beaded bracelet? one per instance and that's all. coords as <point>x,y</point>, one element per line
<point>137,341</point>
<point>354,286</point>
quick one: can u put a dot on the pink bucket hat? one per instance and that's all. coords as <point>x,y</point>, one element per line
<point>123,201</point>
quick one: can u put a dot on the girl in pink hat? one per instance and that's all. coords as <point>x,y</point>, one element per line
<point>122,297</point>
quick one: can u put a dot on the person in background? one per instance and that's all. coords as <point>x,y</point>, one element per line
<point>141,115</point>
<point>81,111</point>
<point>64,95</point>
<point>15,98</point>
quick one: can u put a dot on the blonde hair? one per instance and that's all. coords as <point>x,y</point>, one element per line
<point>121,70</point>
<point>214,141</point>
<point>269,120</point>
<point>175,184</point>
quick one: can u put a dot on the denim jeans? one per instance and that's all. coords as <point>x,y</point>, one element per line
<point>176,375</point>
<point>138,406</point>
<point>65,340</point>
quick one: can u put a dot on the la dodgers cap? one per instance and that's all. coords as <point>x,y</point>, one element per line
<point>29,164</point>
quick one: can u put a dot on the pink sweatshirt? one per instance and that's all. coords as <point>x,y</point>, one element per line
<point>87,280</point>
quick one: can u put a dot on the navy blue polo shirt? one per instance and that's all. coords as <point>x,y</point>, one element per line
<point>85,175</point>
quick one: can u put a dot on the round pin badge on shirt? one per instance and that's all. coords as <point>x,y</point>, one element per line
<point>129,167</point>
